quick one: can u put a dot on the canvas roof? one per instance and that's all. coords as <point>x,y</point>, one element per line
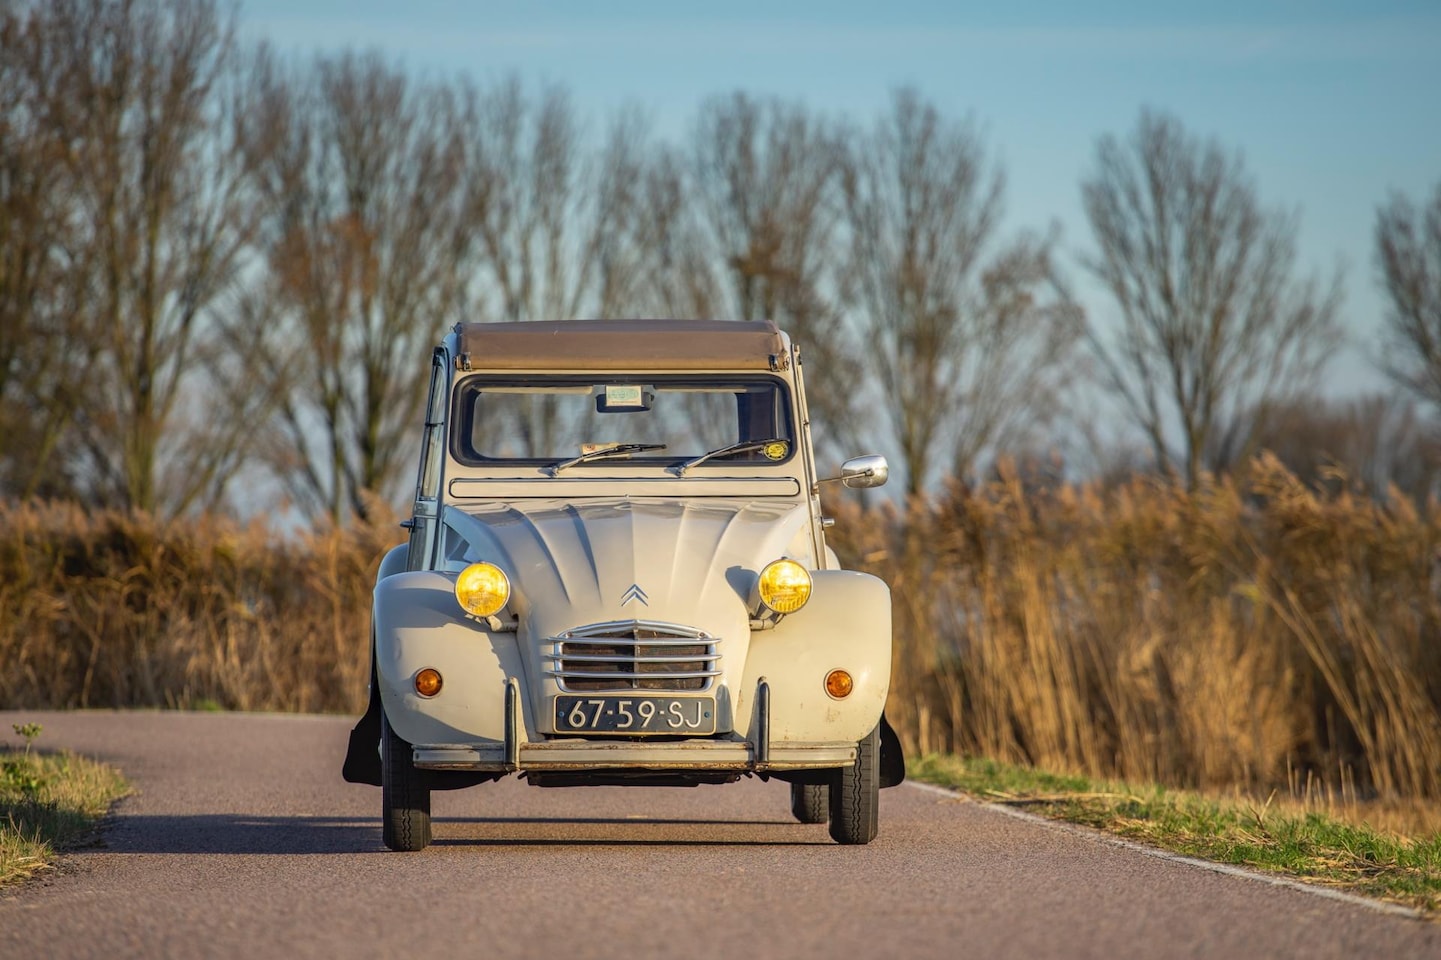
<point>621,344</point>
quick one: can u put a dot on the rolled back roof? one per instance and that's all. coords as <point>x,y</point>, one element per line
<point>621,344</point>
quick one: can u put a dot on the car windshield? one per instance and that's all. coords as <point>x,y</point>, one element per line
<point>568,419</point>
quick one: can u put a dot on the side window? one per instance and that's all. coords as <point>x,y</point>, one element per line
<point>433,445</point>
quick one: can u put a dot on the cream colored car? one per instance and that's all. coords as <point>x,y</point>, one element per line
<point>617,574</point>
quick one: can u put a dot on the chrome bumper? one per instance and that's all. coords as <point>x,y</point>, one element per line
<point>757,755</point>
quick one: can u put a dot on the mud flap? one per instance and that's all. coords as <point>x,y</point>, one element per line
<point>362,757</point>
<point>893,761</point>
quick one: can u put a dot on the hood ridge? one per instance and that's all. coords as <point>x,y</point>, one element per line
<point>679,532</point>
<point>582,535</point>
<point>577,560</point>
<point>552,556</point>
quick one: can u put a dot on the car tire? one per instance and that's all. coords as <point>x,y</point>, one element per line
<point>405,797</point>
<point>856,794</point>
<point>810,802</point>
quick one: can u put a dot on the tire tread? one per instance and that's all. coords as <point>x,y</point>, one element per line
<point>810,802</point>
<point>855,795</point>
<point>405,797</point>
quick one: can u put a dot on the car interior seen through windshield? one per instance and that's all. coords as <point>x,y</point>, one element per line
<point>570,421</point>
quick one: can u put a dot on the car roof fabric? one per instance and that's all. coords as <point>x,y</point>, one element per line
<point>621,344</point>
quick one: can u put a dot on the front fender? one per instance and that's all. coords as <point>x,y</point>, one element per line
<point>845,625</point>
<point>418,624</point>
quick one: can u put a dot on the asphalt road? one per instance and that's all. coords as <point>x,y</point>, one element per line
<point>242,841</point>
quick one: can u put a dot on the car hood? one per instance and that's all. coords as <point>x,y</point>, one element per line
<point>684,562</point>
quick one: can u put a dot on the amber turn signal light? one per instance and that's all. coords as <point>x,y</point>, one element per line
<point>427,682</point>
<point>839,684</point>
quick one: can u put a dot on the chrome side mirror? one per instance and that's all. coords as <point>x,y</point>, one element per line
<point>862,472</point>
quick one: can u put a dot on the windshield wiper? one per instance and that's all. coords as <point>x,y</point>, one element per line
<point>745,446</point>
<point>613,451</point>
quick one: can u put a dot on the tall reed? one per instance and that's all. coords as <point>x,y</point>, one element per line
<point>1229,636</point>
<point>110,610</point>
<point>1249,633</point>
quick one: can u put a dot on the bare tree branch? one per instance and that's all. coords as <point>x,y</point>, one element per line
<point>765,175</point>
<point>965,337</point>
<point>1408,257</point>
<point>42,353</point>
<point>1212,319</point>
<point>361,171</point>
<point>137,94</point>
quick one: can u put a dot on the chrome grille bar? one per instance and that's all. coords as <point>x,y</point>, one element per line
<point>618,675</point>
<point>633,655</point>
<point>677,658</point>
<point>617,628</point>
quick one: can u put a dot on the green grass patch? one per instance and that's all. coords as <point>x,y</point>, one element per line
<point>48,802</point>
<point>1309,846</point>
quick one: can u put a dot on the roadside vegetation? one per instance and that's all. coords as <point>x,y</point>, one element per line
<point>48,802</point>
<point>1237,635</point>
<point>1318,838</point>
<point>1240,635</point>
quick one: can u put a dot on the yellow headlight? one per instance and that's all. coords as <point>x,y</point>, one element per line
<point>784,586</point>
<point>482,589</point>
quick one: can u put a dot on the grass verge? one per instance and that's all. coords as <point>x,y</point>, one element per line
<point>1309,846</point>
<point>49,802</point>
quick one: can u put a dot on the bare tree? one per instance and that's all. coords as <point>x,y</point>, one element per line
<point>365,239</point>
<point>138,93</point>
<point>1212,318</point>
<point>965,335</point>
<point>565,231</point>
<point>40,378</point>
<point>765,175</point>
<point>1408,254</point>
<point>682,281</point>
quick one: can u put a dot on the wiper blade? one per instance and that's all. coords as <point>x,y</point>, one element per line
<point>614,451</point>
<point>744,446</point>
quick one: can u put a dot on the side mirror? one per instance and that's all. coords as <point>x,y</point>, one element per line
<point>862,472</point>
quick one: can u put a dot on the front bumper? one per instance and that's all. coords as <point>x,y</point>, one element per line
<point>696,755</point>
<point>756,755</point>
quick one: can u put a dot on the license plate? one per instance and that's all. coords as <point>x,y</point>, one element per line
<point>680,716</point>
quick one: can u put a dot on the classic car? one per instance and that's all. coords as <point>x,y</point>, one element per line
<point>617,574</point>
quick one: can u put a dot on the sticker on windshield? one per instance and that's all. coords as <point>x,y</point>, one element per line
<point>776,450</point>
<point>624,395</point>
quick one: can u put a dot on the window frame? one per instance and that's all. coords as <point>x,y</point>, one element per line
<point>462,412</point>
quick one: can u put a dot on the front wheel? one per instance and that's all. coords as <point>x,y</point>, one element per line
<point>405,797</point>
<point>856,794</point>
<point>810,802</point>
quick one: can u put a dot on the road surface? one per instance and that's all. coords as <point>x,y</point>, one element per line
<point>242,841</point>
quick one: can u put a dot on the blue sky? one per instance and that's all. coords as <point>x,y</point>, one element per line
<point>1334,104</point>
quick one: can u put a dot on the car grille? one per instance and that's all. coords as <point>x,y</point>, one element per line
<point>633,655</point>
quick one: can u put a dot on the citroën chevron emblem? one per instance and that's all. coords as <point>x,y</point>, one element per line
<point>635,593</point>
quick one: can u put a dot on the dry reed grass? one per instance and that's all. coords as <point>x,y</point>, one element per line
<point>1241,635</point>
<point>109,610</point>
<point>1250,635</point>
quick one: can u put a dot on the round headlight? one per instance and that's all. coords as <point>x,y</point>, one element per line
<point>784,586</point>
<point>482,589</point>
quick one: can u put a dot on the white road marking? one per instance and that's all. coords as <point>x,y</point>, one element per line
<point>1379,906</point>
